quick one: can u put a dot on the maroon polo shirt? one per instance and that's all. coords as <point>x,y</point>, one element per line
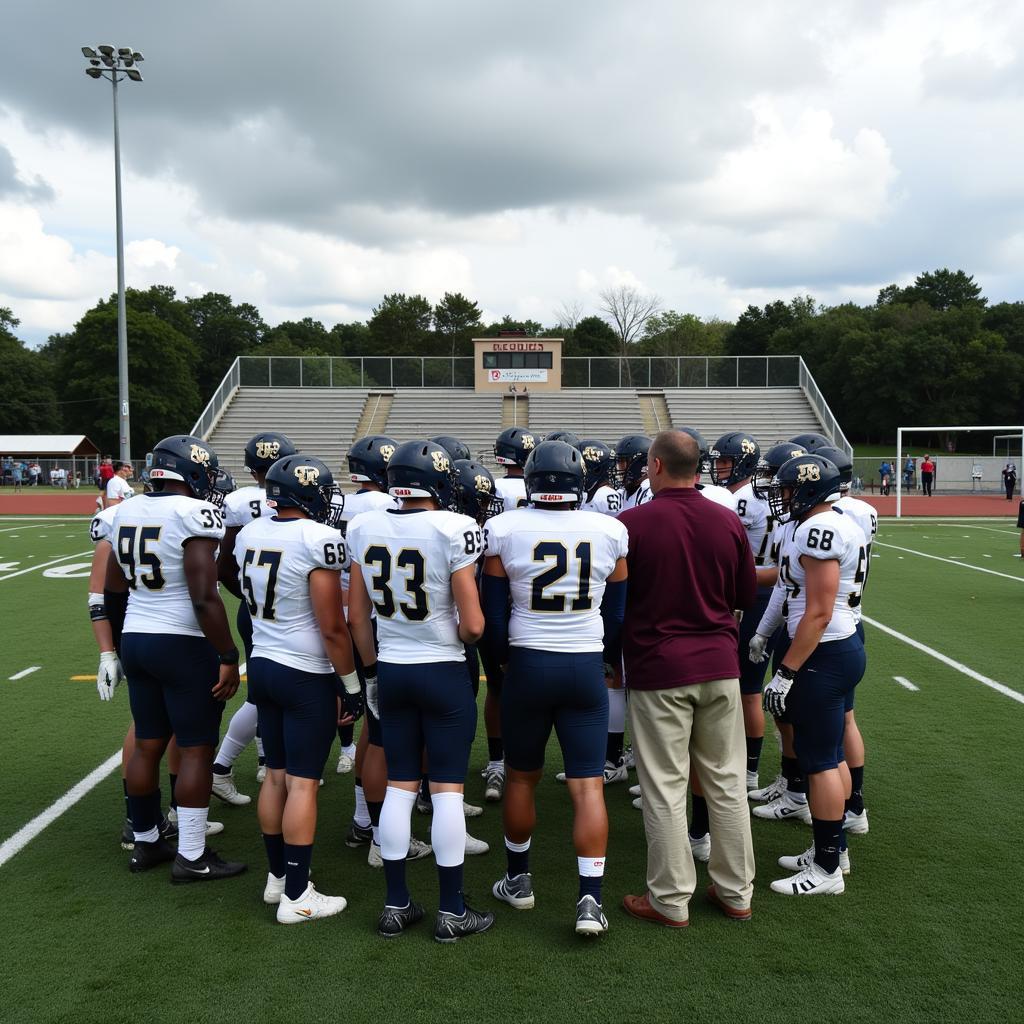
<point>690,567</point>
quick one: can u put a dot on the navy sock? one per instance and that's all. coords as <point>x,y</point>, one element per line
<point>144,811</point>
<point>127,808</point>
<point>450,882</point>
<point>856,802</point>
<point>345,734</point>
<point>296,869</point>
<point>828,841</point>
<point>174,779</point>
<point>795,781</point>
<point>394,878</point>
<point>220,769</point>
<point>754,744</point>
<point>614,749</point>
<point>518,862</point>
<point>590,885</point>
<point>275,853</point>
<point>373,807</point>
<point>495,749</point>
<point>699,824</point>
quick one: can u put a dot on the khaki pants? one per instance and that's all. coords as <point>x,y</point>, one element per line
<point>668,727</point>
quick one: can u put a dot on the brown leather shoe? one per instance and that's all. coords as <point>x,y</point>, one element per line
<point>640,907</point>
<point>730,912</point>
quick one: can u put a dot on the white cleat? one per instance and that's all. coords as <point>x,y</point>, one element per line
<point>615,772</point>
<point>224,788</point>
<point>812,881</point>
<point>628,757</point>
<point>856,824</point>
<point>638,803</point>
<point>752,781</point>
<point>701,848</point>
<point>213,828</point>
<point>471,810</point>
<point>345,763</point>
<point>475,847</point>
<point>273,890</point>
<point>787,808</point>
<point>417,851</point>
<point>771,792</point>
<point>634,790</point>
<point>261,773</point>
<point>309,906</point>
<point>807,858</point>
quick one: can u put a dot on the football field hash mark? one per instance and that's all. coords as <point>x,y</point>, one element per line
<point>24,672</point>
<point>906,684</point>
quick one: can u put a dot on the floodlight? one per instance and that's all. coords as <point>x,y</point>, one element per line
<point>124,51</point>
<point>93,72</point>
<point>94,63</point>
<point>137,56</point>
<point>88,51</point>
<point>134,74</point>
<point>108,61</point>
<point>107,51</point>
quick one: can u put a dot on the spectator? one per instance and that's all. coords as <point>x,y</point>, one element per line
<point>976,476</point>
<point>1010,479</point>
<point>7,471</point>
<point>927,475</point>
<point>908,472</point>
<point>117,488</point>
<point>680,647</point>
<point>885,473</point>
<point>34,472</point>
<point>1020,526</point>
<point>16,473</point>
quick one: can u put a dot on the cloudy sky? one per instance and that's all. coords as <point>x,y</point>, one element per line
<point>309,157</point>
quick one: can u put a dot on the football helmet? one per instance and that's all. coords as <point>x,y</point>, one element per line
<point>703,458</point>
<point>598,463</point>
<point>190,460</point>
<point>554,474</point>
<point>453,446</point>
<point>563,435</point>
<point>301,481</point>
<point>368,459</point>
<point>811,442</point>
<point>225,482</point>
<point>631,461</point>
<point>843,463</point>
<point>263,450</point>
<point>743,453</point>
<point>474,490</point>
<point>513,446</point>
<point>422,469</point>
<point>768,465</point>
<point>800,484</point>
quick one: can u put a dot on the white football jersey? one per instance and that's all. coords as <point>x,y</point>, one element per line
<point>606,500</point>
<point>862,513</point>
<point>638,497</point>
<point>407,558</point>
<point>512,491</point>
<point>557,564</point>
<point>118,489</point>
<point>245,505</point>
<point>275,558</point>
<point>719,495</point>
<point>101,526</point>
<point>757,521</point>
<point>356,504</point>
<point>149,536</point>
<point>827,535</point>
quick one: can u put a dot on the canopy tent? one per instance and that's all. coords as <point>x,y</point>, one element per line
<point>48,446</point>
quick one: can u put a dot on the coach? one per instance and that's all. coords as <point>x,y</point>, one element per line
<point>691,566</point>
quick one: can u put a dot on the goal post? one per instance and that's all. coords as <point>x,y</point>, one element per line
<point>1017,431</point>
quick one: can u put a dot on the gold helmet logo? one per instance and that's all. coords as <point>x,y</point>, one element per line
<point>747,446</point>
<point>307,475</point>
<point>807,472</point>
<point>482,483</point>
<point>592,454</point>
<point>268,449</point>
<point>528,441</point>
<point>200,455</point>
<point>386,451</point>
<point>441,461</point>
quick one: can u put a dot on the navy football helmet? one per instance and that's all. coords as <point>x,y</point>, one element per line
<point>598,463</point>
<point>513,446</point>
<point>703,456</point>
<point>225,482</point>
<point>801,484</point>
<point>843,463</point>
<point>368,459</point>
<point>563,435</point>
<point>453,446</point>
<point>631,461</point>
<point>474,490</point>
<point>770,463</point>
<point>301,481</point>
<point>742,453</point>
<point>811,442</point>
<point>190,460</point>
<point>263,450</point>
<point>554,474</point>
<point>422,469</point>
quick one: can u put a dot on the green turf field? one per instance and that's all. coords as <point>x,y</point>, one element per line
<point>931,927</point>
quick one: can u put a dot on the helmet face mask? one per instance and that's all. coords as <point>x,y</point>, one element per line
<point>554,475</point>
<point>304,482</point>
<point>631,462</point>
<point>733,459</point>
<point>801,485</point>
<point>475,494</point>
<point>422,469</point>
<point>368,459</point>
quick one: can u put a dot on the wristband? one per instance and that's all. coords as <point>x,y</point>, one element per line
<point>229,657</point>
<point>786,672</point>
<point>351,682</point>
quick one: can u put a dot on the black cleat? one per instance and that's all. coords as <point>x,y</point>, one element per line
<point>394,920</point>
<point>168,830</point>
<point>150,855</point>
<point>127,835</point>
<point>208,868</point>
<point>359,835</point>
<point>452,927</point>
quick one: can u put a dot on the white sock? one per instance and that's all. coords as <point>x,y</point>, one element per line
<point>590,867</point>
<point>241,732</point>
<point>517,847</point>
<point>616,710</point>
<point>396,823</point>
<point>147,837</point>
<point>362,813</point>
<point>350,750</point>
<point>448,830</point>
<point>259,747</point>
<point>192,831</point>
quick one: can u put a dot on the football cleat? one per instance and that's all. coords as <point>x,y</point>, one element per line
<point>207,868</point>
<point>169,826</point>
<point>788,807</point>
<point>127,835</point>
<point>146,856</point>
<point>475,847</point>
<point>224,788</point>
<point>494,784</point>
<point>590,919</point>
<point>273,890</point>
<point>856,824</point>
<point>261,773</point>
<point>807,858</point>
<point>638,803</point>
<point>634,790</point>
<point>516,892</point>
<point>358,835</point>
<point>424,805</point>
<point>417,851</point>
<point>309,906</point>
<point>471,810</point>
<point>451,927</point>
<point>615,772</point>
<point>812,881</point>
<point>771,792</point>
<point>752,781</point>
<point>628,757</point>
<point>701,848</point>
<point>394,920</point>
<point>345,763</point>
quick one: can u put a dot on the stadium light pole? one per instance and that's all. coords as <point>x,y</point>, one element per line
<point>115,65</point>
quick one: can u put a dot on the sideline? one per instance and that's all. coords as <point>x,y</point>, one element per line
<point>938,558</point>
<point>43,565</point>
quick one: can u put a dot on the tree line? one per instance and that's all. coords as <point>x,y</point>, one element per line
<point>935,351</point>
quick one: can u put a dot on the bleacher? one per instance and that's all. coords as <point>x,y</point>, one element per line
<point>425,412</point>
<point>605,413</point>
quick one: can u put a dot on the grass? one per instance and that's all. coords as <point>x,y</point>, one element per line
<point>929,929</point>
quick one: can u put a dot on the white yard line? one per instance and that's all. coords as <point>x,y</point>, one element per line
<point>1006,691</point>
<point>24,672</point>
<point>937,558</point>
<point>35,526</point>
<point>43,565</point>
<point>28,832</point>
<point>906,684</point>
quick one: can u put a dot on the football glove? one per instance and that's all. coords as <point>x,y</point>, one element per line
<point>756,649</point>
<point>776,691</point>
<point>372,704</point>
<point>351,696</point>
<point>109,676</point>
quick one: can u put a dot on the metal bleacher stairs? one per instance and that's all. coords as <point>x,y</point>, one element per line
<point>604,413</point>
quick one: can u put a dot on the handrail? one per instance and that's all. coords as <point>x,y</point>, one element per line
<point>810,388</point>
<point>218,403</point>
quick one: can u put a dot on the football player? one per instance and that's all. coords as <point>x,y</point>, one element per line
<point>301,663</point>
<point>565,571</point>
<point>242,506</point>
<point>511,450</point>
<point>631,470</point>
<point>457,451</point>
<point>712,490</point>
<point>598,470</point>
<point>178,653</point>
<point>418,563</point>
<point>564,435</point>
<point>823,574</point>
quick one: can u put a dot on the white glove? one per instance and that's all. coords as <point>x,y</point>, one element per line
<point>109,676</point>
<point>756,648</point>
<point>775,694</point>
<point>371,697</point>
